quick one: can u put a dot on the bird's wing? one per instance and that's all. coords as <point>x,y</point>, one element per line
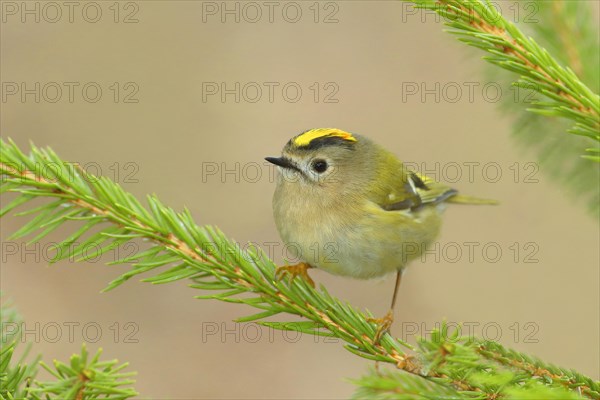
<point>431,191</point>
<point>420,190</point>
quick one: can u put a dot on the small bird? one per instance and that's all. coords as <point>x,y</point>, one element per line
<point>348,206</point>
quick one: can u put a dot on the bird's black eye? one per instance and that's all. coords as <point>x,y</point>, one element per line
<point>319,166</point>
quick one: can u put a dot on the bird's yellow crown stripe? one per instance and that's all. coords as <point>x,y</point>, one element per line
<point>308,136</point>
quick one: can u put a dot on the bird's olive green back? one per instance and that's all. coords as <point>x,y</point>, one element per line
<point>368,169</point>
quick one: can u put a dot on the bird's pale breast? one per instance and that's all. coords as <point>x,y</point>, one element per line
<point>365,243</point>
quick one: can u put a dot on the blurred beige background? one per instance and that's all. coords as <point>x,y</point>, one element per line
<point>171,140</point>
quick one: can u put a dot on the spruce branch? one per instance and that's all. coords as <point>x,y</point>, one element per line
<point>15,377</point>
<point>391,384</point>
<point>486,368</point>
<point>479,24</point>
<point>81,379</point>
<point>85,378</point>
<point>537,369</point>
<point>183,250</point>
<point>568,30</point>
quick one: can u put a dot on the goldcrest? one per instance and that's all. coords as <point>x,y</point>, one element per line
<point>348,206</point>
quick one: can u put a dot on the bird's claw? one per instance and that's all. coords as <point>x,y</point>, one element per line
<point>300,269</point>
<point>384,325</point>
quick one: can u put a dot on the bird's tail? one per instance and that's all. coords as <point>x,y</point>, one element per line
<point>464,199</point>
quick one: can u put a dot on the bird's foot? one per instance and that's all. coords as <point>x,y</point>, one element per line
<point>300,269</point>
<point>384,325</point>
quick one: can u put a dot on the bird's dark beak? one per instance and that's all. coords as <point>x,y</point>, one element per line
<point>280,162</point>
